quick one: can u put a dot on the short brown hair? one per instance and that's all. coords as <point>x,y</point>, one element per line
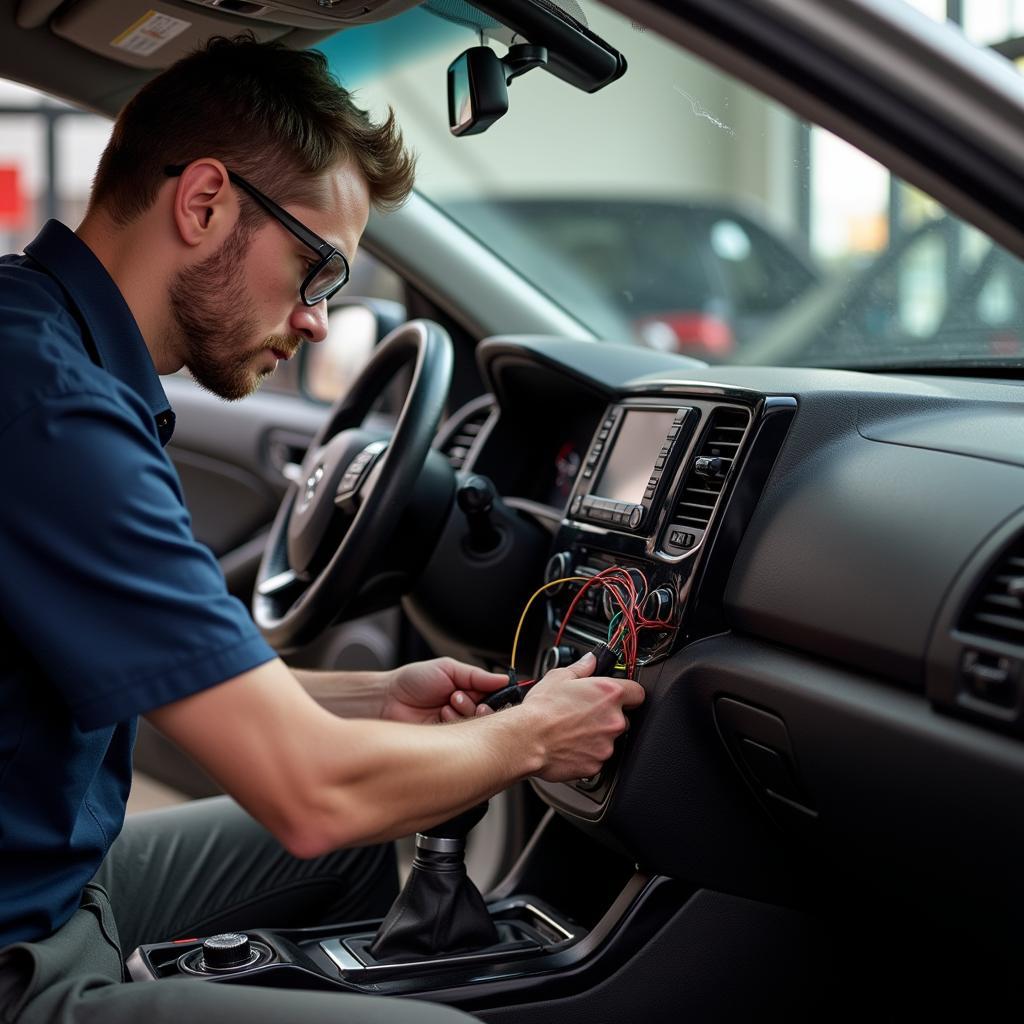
<point>276,116</point>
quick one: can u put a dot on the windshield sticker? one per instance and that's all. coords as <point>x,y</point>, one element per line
<point>149,33</point>
<point>699,111</point>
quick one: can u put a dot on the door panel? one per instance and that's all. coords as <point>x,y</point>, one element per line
<point>232,457</point>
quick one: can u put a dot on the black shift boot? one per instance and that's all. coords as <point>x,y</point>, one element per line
<point>439,909</point>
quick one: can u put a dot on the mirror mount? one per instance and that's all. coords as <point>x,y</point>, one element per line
<point>521,58</point>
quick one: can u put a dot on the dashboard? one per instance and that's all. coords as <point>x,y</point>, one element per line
<point>835,688</point>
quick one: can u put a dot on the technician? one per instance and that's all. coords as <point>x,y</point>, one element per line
<point>109,608</point>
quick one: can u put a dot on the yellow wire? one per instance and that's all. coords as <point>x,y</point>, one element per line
<point>536,594</point>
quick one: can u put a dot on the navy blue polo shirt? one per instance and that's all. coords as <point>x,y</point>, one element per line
<point>109,607</point>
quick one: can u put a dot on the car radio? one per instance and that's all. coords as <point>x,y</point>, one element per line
<point>634,449</point>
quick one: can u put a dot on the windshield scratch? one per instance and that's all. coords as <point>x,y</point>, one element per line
<point>700,111</point>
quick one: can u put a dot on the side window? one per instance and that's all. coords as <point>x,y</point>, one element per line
<point>48,152</point>
<point>921,276</point>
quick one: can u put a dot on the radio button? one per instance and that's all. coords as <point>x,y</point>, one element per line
<point>559,566</point>
<point>636,516</point>
<point>659,605</point>
<point>557,657</point>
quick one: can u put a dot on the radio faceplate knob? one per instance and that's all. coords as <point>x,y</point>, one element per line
<point>660,605</point>
<point>559,566</point>
<point>556,657</point>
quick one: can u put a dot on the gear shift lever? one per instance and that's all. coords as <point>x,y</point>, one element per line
<point>439,910</point>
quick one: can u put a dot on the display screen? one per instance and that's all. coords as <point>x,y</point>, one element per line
<point>632,459</point>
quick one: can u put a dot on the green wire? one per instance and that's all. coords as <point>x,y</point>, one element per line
<point>613,624</point>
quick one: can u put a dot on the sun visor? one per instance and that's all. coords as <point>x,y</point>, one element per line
<point>154,35</point>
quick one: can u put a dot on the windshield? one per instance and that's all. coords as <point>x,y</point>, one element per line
<point>679,209</point>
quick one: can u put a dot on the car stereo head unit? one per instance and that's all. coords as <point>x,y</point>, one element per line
<point>634,449</point>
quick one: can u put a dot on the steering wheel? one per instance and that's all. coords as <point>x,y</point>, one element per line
<point>336,521</point>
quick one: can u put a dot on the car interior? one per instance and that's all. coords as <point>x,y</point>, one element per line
<point>806,544</point>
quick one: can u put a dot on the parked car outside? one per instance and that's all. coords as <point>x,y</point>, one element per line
<point>701,278</point>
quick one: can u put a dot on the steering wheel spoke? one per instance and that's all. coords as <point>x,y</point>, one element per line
<point>275,586</point>
<point>358,477</point>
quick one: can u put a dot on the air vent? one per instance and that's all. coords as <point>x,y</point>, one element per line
<point>459,434</point>
<point>996,610</point>
<point>706,477</point>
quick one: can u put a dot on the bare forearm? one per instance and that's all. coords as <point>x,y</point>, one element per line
<point>319,781</point>
<point>347,694</point>
<point>390,779</point>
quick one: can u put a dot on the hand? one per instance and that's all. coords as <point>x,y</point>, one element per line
<point>441,690</point>
<point>577,717</point>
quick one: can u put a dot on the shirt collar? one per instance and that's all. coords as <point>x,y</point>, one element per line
<point>115,334</point>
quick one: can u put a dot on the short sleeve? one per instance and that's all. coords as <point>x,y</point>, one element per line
<point>103,581</point>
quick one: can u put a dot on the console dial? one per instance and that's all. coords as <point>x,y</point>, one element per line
<point>660,605</point>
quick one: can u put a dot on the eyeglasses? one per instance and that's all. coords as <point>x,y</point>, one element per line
<point>327,275</point>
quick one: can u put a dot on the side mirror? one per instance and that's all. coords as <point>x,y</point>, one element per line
<point>354,327</point>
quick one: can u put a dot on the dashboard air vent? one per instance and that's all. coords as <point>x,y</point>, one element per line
<point>458,435</point>
<point>706,477</point>
<point>996,609</point>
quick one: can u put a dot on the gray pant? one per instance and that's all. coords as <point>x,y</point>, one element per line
<point>195,870</point>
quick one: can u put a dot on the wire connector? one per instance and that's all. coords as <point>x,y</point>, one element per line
<point>607,659</point>
<point>507,696</point>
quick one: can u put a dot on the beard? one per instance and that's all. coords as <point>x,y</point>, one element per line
<point>208,303</point>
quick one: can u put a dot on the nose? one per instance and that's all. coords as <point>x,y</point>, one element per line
<point>310,322</point>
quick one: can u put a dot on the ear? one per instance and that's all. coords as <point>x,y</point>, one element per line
<point>204,204</point>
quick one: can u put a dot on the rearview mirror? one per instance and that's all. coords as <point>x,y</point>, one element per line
<point>561,43</point>
<point>477,91</point>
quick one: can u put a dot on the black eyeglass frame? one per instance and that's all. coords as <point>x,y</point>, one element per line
<point>309,238</point>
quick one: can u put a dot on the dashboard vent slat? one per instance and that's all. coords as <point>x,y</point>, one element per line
<point>461,434</point>
<point>1002,622</point>
<point>708,471</point>
<point>996,608</point>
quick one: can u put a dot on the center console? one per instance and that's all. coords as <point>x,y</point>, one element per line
<point>587,909</point>
<point>645,501</point>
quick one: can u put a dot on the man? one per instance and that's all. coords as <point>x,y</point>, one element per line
<point>109,608</point>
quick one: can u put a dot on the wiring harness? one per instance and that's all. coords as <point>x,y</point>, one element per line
<point>627,590</point>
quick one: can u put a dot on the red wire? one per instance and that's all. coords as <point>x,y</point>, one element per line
<point>616,580</point>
